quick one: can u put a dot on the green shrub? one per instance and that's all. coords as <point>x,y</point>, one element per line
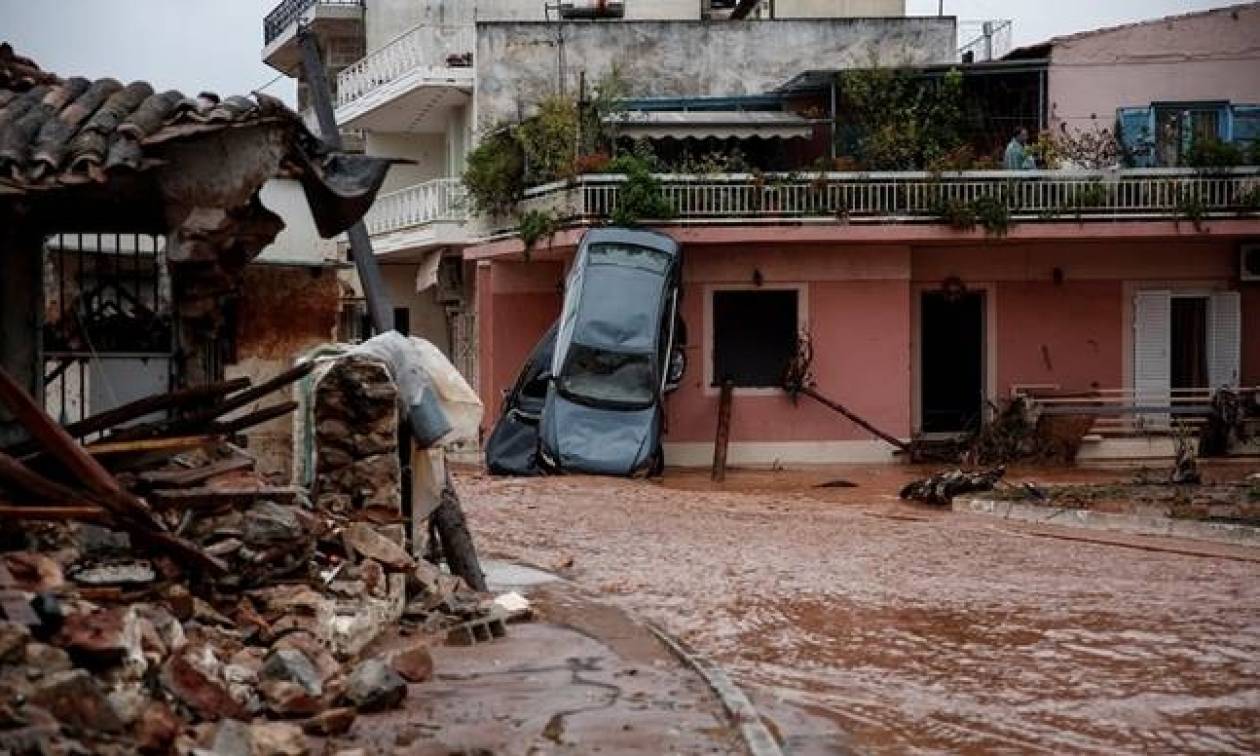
<point>640,196</point>
<point>495,176</point>
<point>1210,152</point>
<point>533,225</point>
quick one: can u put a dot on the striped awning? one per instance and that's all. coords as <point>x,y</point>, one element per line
<point>705,124</point>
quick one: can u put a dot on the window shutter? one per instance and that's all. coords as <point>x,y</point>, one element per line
<point>1152,379</point>
<point>1137,136</point>
<point>1245,128</point>
<point>1224,339</point>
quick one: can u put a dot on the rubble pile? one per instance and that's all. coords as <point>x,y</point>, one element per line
<point>173,601</point>
<point>356,437</point>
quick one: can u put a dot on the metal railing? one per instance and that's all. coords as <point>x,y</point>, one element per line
<point>289,11</point>
<point>422,47</point>
<point>430,202</point>
<point>909,196</point>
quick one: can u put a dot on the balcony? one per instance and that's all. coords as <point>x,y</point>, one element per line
<point>418,218</point>
<point>327,18</point>
<point>409,84</point>
<point>1027,196</point>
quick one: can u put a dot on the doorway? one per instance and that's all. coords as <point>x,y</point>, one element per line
<point>951,367</point>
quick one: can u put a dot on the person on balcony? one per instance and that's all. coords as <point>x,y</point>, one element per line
<point>1017,156</point>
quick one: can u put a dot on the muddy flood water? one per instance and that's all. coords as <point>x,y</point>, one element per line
<point>857,623</point>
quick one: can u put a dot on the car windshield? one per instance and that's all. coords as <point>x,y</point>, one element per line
<point>603,377</point>
<point>631,256</point>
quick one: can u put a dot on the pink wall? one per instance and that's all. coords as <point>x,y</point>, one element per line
<point>516,302</point>
<point>1205,56</point>
<point>1070,335</point>
<point>858,315</point>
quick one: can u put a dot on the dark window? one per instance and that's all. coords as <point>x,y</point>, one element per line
<point>1189,368</point>
<point>754,336</point>
<point>402,320</point>
<point>952,360</point>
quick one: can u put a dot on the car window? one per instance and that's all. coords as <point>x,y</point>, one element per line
<point>630,255</point>
<point>604,377</point>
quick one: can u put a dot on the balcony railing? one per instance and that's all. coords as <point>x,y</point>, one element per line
<point>430,202</point>
<point>289,11</point>
<point>911,196</point>
<point>423,47</point>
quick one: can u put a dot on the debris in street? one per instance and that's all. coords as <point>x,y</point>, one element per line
<point>194,591</point>
<point>941,488</point>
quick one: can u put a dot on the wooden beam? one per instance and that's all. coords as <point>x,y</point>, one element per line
<point>195,475</point>
<point>723,439</point>
<point>236,425</point>
<point>103,421</point>
<point>132,513</point>
<point>45,513</point>
<point>855,419</point>
<point>149,445</point>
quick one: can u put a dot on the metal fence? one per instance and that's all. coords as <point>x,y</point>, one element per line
<point>288,12</point>
<point>109,334</point>
<point>1024,195</point>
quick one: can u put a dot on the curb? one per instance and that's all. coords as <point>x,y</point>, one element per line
<point>741,711</point>
<point>1233,534</point>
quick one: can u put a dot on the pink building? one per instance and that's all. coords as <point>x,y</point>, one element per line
<point>1140,285</point>
<point>1169,80</point>
<point>914,323</point>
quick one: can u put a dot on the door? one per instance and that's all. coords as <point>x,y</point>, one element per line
<point>952,361</point>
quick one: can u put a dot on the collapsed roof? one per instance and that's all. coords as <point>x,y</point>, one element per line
<point>167,153</point>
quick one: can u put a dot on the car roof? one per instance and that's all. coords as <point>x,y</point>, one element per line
<point>619,235</point>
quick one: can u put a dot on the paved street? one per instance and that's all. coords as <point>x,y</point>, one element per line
<point>856,621</point>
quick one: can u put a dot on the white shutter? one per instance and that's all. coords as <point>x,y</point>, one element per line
<point>1152,381</point>
<point>1224,339</point>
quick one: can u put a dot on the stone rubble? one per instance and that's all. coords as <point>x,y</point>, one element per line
<point>134,653</point>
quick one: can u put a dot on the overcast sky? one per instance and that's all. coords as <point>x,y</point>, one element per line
<point>196,45</point>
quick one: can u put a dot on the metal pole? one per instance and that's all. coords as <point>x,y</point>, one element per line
<point>379,306</point>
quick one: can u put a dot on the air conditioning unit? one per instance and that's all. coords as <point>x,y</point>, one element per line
<point>1249,262</point>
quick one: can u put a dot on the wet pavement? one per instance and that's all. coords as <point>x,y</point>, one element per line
<point>856,621</point>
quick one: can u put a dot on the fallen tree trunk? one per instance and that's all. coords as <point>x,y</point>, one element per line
<point>855,419</point>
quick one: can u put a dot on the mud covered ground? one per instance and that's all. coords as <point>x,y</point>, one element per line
<point>856,621</point>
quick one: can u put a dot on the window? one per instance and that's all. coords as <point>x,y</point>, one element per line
<point>599,376</point>
<point>754,336</point>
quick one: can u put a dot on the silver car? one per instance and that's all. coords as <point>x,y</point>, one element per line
<point>617,352</point>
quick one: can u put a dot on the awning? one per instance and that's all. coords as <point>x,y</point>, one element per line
<point>718,124</point>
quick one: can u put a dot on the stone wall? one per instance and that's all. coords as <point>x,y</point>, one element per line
<point>517,62</point>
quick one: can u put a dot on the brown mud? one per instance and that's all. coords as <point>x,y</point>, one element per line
<point>855,620</point>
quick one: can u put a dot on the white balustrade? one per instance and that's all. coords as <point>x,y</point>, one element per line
<point>426,46</point>
<point>433,201</point>
<point>1026,195</point>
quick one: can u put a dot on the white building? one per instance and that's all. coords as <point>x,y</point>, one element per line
<point>415,78</point>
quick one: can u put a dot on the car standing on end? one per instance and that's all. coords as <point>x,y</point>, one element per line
<point>616,355</point>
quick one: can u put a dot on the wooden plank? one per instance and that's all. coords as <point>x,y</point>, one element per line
<point>108,419</point>
<point>174,445</point>
<point>132,513</point>
<point>236,425</point>
<point>42,513</point>
<point>855,419</point>
<point>722,441</point>
<point>195,475</point>
<point>197,422</point>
